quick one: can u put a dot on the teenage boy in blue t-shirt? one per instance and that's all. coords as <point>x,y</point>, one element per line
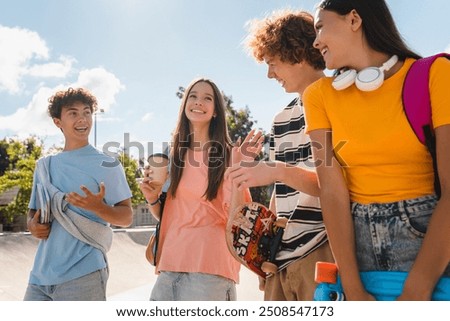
<point>66,266</point>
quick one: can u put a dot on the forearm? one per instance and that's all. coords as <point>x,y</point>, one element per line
<point>155,209</point>
<point>120,214</point>
<point>433,257</point>
<point>273,204</point>
<point>340,231</point>
<point>300,179</point>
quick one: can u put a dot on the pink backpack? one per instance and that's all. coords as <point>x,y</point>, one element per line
<point>417,106</point>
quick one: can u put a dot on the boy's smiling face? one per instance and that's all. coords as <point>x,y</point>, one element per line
<point>75,123</point>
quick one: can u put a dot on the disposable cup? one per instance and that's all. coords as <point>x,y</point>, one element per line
<point>159,165</point>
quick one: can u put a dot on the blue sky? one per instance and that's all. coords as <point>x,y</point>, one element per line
<point>134,54</point>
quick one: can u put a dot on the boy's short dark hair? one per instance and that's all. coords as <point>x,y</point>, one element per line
<point>285,33</point>
<point>66,98</point>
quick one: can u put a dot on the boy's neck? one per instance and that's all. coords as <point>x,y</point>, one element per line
<point>75,145</point>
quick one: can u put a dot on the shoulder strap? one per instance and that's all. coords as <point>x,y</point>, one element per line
<point>416,95</point>
<point>417,106</point>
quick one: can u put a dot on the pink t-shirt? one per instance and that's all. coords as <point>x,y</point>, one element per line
<point>193,229</point>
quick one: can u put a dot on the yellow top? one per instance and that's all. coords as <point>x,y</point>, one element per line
<point>382,159</point>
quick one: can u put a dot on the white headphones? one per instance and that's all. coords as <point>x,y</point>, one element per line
<point>368,79</point>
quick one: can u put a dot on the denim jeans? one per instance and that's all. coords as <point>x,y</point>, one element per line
<point>91,287</point>
<point>181,286</point>
<point>389,235</point>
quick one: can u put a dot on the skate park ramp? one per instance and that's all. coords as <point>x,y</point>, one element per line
<point>131,276</point>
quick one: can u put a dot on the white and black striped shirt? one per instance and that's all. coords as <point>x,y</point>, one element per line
<point>289,143</point>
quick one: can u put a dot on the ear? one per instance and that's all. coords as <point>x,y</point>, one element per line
<point>57,122</point>
<point>355,20</point>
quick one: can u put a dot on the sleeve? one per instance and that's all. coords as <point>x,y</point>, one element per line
<point>314,107</point>
<point>439,93</point>
<point>117,188</point>
<point>272,144</point>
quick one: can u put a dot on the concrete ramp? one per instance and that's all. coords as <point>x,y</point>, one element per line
<point>131,276</point>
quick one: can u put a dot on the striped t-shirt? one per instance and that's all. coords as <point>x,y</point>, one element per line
<point>289,143</point>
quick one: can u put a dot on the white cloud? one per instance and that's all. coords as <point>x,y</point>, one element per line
<point>20,51</point>
<point>52,69</point>
<point>147,117</point>
<point>102,83</point>
<point>17,48</point>
<point>33,118</point>
<point>447,50</point>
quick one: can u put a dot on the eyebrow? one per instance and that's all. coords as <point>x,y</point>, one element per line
<point>195,92</point>
<point>74,108</point>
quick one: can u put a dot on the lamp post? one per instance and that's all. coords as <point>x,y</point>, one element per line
<point>95,125</point>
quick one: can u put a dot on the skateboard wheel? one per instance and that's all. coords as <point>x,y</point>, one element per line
<point>269,267</point>
<point>326,272</point>
<point>281,222</point>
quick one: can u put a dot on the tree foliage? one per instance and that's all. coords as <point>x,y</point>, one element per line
<point>18,160</point>
<point>130,167</point>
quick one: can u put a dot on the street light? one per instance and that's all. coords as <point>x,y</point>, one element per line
<point>95,125</point>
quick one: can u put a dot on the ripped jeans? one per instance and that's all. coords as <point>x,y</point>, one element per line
<point>388,236</point>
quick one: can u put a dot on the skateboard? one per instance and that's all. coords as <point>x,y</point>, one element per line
<point>383,285</point>
<point>254,236</point>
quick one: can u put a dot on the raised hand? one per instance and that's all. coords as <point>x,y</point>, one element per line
<point>249,149</point>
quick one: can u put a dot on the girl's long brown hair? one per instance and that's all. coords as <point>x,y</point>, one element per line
<point>219,147</point>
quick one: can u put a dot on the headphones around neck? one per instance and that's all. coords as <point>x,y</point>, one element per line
<point>368,79</point>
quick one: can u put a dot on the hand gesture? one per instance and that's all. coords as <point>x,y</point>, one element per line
<point>249,149</point>
<point>90,202</point>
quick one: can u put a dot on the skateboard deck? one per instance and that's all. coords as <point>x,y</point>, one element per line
<point>253,237</point>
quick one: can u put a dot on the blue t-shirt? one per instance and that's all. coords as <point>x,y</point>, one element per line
<point>62,257</point>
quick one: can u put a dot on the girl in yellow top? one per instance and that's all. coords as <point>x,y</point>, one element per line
<point>194,262</point>
<point>376,178</point>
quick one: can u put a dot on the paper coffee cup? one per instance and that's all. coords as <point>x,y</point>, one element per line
<point>159,165</point>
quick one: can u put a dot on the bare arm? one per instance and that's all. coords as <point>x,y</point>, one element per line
<point>335,201</point>
<point>151,193</point>
<point>434,255</point>
<point>251,174</point>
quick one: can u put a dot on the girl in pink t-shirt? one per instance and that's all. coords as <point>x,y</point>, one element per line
<point>194,262</point>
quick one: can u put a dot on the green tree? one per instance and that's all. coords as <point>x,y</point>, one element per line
<point>19,160</point>
<point>240,123</point>
<point>130,167</point>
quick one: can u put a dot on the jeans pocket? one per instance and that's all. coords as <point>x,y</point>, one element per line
<point>416,218</point>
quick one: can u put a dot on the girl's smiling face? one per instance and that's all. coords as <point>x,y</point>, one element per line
<point>334,37</point>
<point>200,103</point>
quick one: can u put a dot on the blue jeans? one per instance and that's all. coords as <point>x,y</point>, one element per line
<point>388,236</point>
<point>91,287</point>
<point>181,286</point>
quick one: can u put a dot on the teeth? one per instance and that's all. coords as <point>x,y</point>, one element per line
<point>324,51</point>
<point>197,111</point>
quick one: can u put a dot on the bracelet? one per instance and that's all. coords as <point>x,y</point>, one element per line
<point>155,202</point>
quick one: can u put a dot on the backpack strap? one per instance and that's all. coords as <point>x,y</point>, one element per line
<point>416,95</point>
<point>417,106</point>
